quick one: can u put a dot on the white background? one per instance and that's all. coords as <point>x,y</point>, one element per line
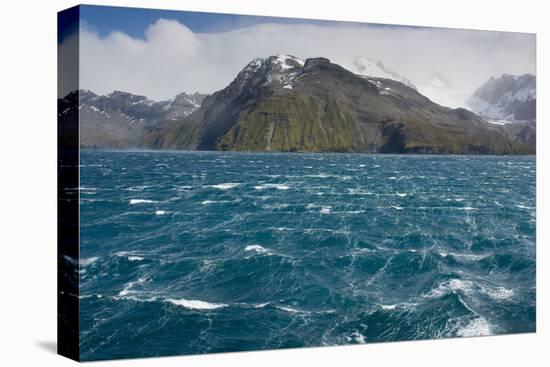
<point>28,182</point>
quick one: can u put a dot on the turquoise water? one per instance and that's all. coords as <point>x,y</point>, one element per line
<point>201,252</point>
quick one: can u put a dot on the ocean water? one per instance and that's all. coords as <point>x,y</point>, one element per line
<point>203,252</point>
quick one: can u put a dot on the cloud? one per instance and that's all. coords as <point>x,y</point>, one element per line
<point>171,58</point>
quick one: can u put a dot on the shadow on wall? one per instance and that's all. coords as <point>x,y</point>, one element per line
<point>48,345</point>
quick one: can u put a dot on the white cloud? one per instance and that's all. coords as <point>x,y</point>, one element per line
<point>173,59</point>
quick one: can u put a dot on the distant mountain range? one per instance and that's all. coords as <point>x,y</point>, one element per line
<point>510,98</point>
<point>283,103</point>
<point>509,101</point>
<point>123,120</point>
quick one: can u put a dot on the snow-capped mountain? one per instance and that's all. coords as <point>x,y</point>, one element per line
<point>510,98</point>
<point>123,120</point>
<point>182,105</point>
<point>279,69</point>
<point>369,67</point>
<point>134,108</point>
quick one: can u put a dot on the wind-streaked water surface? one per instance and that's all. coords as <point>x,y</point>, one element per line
<point>199,252</point>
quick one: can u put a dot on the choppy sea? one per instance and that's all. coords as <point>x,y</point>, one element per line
<point>201,252</point>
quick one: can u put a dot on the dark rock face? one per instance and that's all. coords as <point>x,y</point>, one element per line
<point>282,103</point>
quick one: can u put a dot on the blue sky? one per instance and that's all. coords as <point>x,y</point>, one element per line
<point>134,21</point>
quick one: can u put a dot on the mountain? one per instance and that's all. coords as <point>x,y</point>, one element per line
<point>369,67</point>
<point>124,120</point>
<point>522,132</point>
<point>509,101</point>
<point>510,98</point>
<point>282,103</point>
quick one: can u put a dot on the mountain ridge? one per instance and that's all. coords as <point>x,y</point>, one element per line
<point>282,103</point>
<point>122,119</point>
<point>509,98</point>
<point>509,101</point>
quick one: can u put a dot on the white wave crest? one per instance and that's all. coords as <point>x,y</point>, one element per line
<point>261,305</point>
<point>137,188</point>
<point>470,257</point>
<point>477,327</point>
<point>272,186</point>
<point>468,288</point>
<point>88,190</point>
<point>524,206</point>
<point>357,337</point>
<point>128,255</point>
<point>292,310</point>
<point>359,192</point>
<point>325,210</point>
<point>258,249</point>
<point>141,201</point>
<point>193,304</point>
<point>319,175</point>
<point>208,202</point>
<point>128,288</point>
<point>401,305</point>
<point>453,285</point>
<point>160,212</point>
<point>182,188</point>
<point>225,186</point>
<point>88,261</point>
<point>498,293</point>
